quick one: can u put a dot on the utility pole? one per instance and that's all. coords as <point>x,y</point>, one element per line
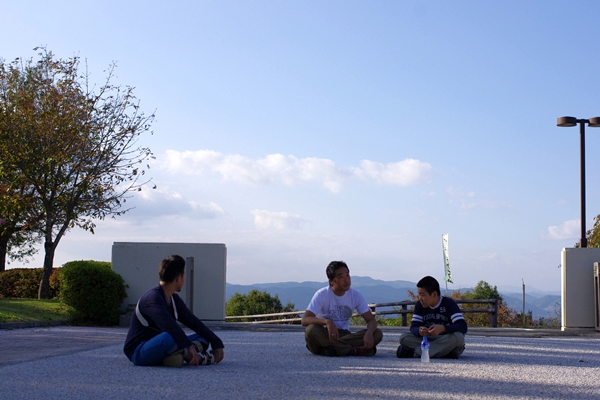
<point>523,315</point>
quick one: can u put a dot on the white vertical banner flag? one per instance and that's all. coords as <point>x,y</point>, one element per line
<point>448,274</point>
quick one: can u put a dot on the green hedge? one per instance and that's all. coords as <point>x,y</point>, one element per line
<point>94,291</point>
<point>24,283</point>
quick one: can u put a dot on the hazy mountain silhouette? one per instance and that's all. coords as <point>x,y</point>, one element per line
<point>378,291</point>
<point>544,306</point>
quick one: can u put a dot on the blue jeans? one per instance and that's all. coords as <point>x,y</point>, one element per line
<point>156,349</point>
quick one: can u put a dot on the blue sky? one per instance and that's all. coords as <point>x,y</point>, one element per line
<point>302,132</point>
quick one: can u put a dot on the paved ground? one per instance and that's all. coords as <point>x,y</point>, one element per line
<point>20,345</point>
<point>271,362</point>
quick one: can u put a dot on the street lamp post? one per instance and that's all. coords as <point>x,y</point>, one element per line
<point>594,123</point>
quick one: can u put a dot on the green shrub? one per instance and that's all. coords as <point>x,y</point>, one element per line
<point>93,290</point>
<point>24,283</point>
<point>255,302</point>
<point>55,283</point>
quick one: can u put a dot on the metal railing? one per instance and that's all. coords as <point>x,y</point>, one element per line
<point>400,308</point>
<point>258,317</point>
<point>404,309</point>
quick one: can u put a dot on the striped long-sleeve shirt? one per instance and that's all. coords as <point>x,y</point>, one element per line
<point>446,313</point>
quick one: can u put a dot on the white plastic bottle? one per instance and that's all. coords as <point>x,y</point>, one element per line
<point>425,350</point>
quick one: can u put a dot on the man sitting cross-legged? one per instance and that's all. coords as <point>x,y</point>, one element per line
<point>440,319</point>
<point>326,318</point>
<point>154,335</point>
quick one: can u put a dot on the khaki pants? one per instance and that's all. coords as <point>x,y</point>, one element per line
<point>317,338</point>
<point>439,346</point>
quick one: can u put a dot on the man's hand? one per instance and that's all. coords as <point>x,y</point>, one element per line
<point>219,354</point>
<point>334,335</point>
<point>423,331</point>
<point>435,330</point>
<point>193,356</point>
<point>368,340</point>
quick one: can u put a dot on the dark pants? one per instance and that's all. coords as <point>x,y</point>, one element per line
<point>439,346</point>
<point>317,338</point>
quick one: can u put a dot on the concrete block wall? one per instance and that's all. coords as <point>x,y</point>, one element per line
<point>137,263</point>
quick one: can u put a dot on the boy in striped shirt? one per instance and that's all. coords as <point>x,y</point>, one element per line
<point>437,317</point>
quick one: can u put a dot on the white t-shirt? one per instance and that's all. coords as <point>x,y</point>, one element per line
<point>326,304</point>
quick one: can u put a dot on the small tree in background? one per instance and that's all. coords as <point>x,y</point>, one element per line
<point>17,242</point>
<point>255,302</point>
<point>593,235</point>
<point>482,291</point>
<point>19,216</point>
<point>67,151</point>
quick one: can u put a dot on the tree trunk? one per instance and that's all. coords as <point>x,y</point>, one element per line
<point>3,250</point>
<point>44,291</point>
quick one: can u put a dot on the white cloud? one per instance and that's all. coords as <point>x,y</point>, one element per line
<point>567,230</point>
<point>157,203</point>
<point>264,219</point>
<point>207,211</point>
<point>290,170</point>
<point>402,173</point>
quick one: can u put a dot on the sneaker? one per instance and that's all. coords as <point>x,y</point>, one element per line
<point>175,360</point>
<point>200,347</point>
<point>361,351</point>
<point>206,358</point>
<point>405,352</point>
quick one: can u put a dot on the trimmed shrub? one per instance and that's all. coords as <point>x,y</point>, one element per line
<point>55,283</point>
<point>24,283</point>
<point>93,290</point>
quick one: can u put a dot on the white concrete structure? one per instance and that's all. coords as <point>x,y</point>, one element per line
<point>577,288</point>
<point>138,264</point>
<point>597,294</point>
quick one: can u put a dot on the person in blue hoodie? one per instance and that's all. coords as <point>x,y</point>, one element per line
<point>156,338</point>
<point>437,317</point>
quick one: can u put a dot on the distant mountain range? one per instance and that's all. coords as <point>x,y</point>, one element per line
<point>541,304</point>
<point>544,306</point>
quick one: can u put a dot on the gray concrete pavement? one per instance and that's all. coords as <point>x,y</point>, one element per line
<point>272,362</point>
<point>20,345</point>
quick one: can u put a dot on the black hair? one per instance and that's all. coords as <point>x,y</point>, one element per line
<point>170,268</point>
<point>333,266</point>
<point>430,284</point>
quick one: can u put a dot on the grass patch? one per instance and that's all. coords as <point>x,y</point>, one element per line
<point>33,310</point>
